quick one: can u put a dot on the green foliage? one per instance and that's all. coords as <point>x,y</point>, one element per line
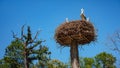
<point>102,60</point>
<point>3,64</point>
<point>42,56</point>
<point>23,50</point>
<point>88,62</point>
<point>14,54</point>
<point>14,50</point>
<point>105,60</point>
<point>56,64</point>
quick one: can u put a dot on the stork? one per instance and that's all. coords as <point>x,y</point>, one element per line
<point>66,20</point>
<point>82,11</point>
<point>82,14</point>
<point>88,19</point>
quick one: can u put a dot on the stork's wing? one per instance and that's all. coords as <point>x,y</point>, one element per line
<point>83,17</point>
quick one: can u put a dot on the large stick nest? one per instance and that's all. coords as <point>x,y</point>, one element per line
<point>82,32</point>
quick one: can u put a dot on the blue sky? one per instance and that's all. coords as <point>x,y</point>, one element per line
<point>47,15</point>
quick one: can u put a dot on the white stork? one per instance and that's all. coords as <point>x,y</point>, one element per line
<point>66,20</point>
<point>88,19</point>
<point>82,11</point>
<point>82,14</point>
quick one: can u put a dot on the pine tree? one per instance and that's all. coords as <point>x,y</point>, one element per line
<point>23,50</point>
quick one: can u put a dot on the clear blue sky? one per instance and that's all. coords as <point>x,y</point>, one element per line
<point>47,15</point>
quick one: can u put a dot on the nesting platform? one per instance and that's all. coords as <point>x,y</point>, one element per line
<point>81,31</point>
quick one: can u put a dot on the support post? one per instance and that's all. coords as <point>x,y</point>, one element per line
<point>74,54</point>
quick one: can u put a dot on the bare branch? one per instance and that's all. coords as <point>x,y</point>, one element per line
<point>22,31</point>
<point>114,41</point>
<point>36,35</point>
<point>118,35</point>
<point>36,44</point>
<point>14,36</point>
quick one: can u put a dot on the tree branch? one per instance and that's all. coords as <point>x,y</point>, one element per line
<point>37,43</point>
<point>14,36</point>
<point>118,35</point>
<point>36,35</point>
<point>22,31</point>
<point>114,43</point>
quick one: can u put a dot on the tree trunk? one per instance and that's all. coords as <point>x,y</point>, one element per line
<point>74,55</point>
<point>42,66</point>
<point>103,65</point>
<point>26,61</point>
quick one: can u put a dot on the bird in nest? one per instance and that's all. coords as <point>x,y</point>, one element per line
<point>88,19</point>
<point>83,17</point>
<point>66,20</point>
